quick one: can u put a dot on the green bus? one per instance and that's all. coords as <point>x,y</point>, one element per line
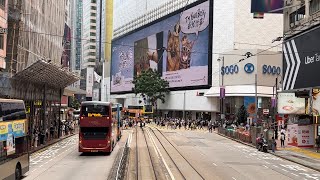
<point>14,149</point>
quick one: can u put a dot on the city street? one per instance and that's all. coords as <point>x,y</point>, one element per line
<point>203,155</point>
<point>62,161</point>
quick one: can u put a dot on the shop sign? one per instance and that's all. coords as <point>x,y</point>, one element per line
<point>267,69</point>
<point>249,68</point>
<point>265,111</point>
<point>301,61</point>
<point>232,69</point>
<point>288,103</point>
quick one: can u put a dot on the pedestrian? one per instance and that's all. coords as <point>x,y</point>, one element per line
<point>210,127</point>
<point>318,143</point>
<point>282,139</point>
<point>274,144</point>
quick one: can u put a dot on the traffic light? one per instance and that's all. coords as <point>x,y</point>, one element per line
<point>148,109</point>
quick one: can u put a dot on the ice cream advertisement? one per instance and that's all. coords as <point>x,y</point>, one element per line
<point>288,103</point>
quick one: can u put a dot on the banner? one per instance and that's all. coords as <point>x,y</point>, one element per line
<point>3,131</point>
<point>305,136</point>
<point>19,128</point>
<point>292,134</point>
<point>288,103</point>
<point>177,47</point>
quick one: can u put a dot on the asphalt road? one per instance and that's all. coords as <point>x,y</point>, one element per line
<point>62,161</point>
<point>216,157</point>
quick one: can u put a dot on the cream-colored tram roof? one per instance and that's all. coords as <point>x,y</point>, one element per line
<point>10,100</point>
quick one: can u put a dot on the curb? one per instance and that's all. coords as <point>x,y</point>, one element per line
<point>288,159</point>
<point>50,143</point>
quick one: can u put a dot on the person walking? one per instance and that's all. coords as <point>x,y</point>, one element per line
<point>274,144</point>
<point>282,139</point>
<point>318,143</point>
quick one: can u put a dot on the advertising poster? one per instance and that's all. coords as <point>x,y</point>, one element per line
<point>288,103</point>
<point>177,47</point>
<point>19,128</point>
<point>3,131</point>
<point>89,85</point>
<point>292,135</point>
<point>10,140</point>
<point>316,102</point>
<point>265,6</point>
<point>249,103</point>
<point>305,136</point>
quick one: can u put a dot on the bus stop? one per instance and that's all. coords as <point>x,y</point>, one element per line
<point>41,85</point>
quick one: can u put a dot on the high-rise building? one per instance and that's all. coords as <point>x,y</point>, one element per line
<point>89,33</point>
<point>143,27</point>
<point>3,35</point>
<point>76,45</point>
<point>35,33</point>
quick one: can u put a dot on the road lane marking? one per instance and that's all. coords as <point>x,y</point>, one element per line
<point>265,166</point>
<point>294,174</point>
<point>214,164</point>
<point>276,166</point>
<point>234,178</point>
<point>284,170</point>
<point>267,162</point>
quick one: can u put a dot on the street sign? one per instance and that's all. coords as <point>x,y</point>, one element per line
<point>265,111</point>
<point>301,61</point>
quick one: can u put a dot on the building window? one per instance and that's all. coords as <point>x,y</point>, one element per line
<point>92,34</point>
<point>93,14</point>
<point>93,8</point>
<point>93,21</point>
<point>297,15</point>
<point>314,6</point>
<point>93,1</point>
<point>2,4</point>
<point>93,27</point>
<point>2,41</point>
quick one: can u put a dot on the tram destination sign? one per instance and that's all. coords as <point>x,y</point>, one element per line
<point>301,61</point>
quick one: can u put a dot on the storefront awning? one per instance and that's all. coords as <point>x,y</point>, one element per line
<point>42,72</point>
<point>241,90</point>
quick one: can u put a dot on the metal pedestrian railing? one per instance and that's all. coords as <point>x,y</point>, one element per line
<point>121,169</point>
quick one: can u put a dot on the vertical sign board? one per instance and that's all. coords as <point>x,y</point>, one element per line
<point>301,60</point>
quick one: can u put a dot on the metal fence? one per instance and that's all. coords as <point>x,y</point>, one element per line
<point>121,169</point>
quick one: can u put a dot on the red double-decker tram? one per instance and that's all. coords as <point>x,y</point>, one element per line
<point>98,128</point>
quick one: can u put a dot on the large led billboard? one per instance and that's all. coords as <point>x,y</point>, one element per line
<point>267,6</point>
<point>178,46</point>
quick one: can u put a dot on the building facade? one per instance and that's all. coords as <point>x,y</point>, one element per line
<point>233,28</point>
<point>89,46</point>
<point>3,35</point>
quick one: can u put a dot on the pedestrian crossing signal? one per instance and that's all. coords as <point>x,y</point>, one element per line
<point>147,109</point>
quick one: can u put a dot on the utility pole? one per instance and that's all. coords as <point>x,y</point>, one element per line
<point>256,98</point>
<point>100,48</point>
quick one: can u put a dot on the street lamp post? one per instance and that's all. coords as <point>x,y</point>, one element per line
<point>221,97</point>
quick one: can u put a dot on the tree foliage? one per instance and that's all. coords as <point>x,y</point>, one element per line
<point>242,114</point>
<point>75,103</point>
<point>151,86</point>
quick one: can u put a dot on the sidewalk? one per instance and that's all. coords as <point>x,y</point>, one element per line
<point>304,156</point>
<point>307,157</point>
<point>53,141</point>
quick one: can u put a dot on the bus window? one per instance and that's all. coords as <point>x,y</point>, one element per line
<point>12,111</point>
<point>95,109</point>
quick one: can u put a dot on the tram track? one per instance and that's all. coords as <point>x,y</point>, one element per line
<point>179,165</point>
<point>145,163</point>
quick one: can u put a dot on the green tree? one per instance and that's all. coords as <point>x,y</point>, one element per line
<point>75,103</point>
<point>242,114</point>
<point>151,86</point>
